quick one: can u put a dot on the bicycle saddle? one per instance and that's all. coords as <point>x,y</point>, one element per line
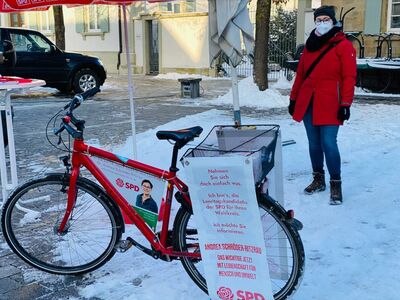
<point>182,136</point>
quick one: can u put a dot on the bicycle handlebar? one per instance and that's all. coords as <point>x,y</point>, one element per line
<point>79,98</point>
<point>69,118</point>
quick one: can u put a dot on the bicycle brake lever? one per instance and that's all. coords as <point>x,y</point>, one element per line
<point>59,130</point>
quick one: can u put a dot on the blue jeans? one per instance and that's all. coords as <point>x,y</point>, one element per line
<point>322,142</point>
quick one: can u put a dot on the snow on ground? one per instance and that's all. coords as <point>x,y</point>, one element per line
<point>176,76</point>
<point>251,96</point>
<point>352,251</point>
<point>282,83</point>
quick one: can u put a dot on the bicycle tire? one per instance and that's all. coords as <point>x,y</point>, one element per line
<point>31,215</point>
<point>269,211</point>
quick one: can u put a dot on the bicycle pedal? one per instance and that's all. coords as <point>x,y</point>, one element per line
<point>123,245</point>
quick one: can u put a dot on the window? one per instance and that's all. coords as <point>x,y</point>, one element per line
<point>93,19</point>
<point>138,8</point>
<point>190,5</point>
<point>29,42</point>
<point>171,7</point>
<point>177,8</point>
<point>16,19</point>
<point>394,15</point>
<point>44,21</point>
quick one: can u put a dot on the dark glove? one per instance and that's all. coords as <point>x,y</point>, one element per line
<point>343,113</point>
<point>291,106</point>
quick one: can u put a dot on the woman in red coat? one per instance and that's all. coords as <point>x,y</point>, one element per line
<point>322,98</point>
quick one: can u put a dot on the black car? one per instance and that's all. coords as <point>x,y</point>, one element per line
<point>29,54</point>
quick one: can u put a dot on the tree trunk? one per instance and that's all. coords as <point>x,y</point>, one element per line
<point>59,26</point>
<point>260,68</point>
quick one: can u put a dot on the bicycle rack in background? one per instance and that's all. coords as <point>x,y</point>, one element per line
<point>342,15</point>
<point>386,37</point>
<point>358,37</point>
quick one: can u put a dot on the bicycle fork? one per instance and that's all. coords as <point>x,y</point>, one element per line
<point>71,200</point>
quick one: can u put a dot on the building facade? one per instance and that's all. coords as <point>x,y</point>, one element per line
<point>162,37</point>
<point>373,23</point>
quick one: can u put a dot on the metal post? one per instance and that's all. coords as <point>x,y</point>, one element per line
<point>5,185</point>
<point>130,84</point>
<point>303,6</point>
<point>3,165</point>
<point>11,143</point>
<point>235,96</point>
<point>276,179</point>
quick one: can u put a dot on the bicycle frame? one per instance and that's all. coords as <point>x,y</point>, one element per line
<point>81,157</point>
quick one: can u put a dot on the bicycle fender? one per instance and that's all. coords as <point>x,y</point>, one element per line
<point>273,205</point>
<point>181,199</point>
<point>277,208</point>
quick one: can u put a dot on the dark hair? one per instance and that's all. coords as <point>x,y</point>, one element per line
<point>326,10</point>
<point>148,181</point>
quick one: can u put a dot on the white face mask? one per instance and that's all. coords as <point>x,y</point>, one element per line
<point>323,27</point>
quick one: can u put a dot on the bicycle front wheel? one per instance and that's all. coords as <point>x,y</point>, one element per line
<point>32,215</point>
<point>285,252</point>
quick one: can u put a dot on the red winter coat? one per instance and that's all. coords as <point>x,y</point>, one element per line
<point>330,84</point>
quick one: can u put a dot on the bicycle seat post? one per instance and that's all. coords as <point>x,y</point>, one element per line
<point>173,167</point>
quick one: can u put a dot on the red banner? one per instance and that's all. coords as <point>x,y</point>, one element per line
<point>13,5</point>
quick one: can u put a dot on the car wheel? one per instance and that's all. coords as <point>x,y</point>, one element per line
<point>84,80</point>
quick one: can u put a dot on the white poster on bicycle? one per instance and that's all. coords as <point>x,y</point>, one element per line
<point>229,225</point>
<point>142,191</point>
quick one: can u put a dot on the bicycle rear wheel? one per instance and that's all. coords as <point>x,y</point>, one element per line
<point>285,252</point>
<point>32,214</point>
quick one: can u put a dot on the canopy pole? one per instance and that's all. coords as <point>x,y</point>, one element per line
<point>130,82</point>
<point>235,96</point>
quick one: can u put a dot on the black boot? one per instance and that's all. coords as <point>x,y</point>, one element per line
<point>317,185</point>
<point>336,192</point>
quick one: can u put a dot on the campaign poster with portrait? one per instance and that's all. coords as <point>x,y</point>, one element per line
<point>144,192</point>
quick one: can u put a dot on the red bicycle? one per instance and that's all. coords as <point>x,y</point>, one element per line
<point>64,223</point>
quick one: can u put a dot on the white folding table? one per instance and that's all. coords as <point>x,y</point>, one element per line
<point>10,85</point>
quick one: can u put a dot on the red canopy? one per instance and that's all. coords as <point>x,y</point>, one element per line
<point>5,8</point>
<point>15,5</point>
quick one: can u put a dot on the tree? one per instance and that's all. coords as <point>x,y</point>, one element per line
<point>59,27</point>
<point>263,17</point>
<point>283,29</point>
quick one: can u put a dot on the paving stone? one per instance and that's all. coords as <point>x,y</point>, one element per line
<point>8,271</point>
<point>7,284</point>
<point>63,293</point>
<point>27,292</point>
